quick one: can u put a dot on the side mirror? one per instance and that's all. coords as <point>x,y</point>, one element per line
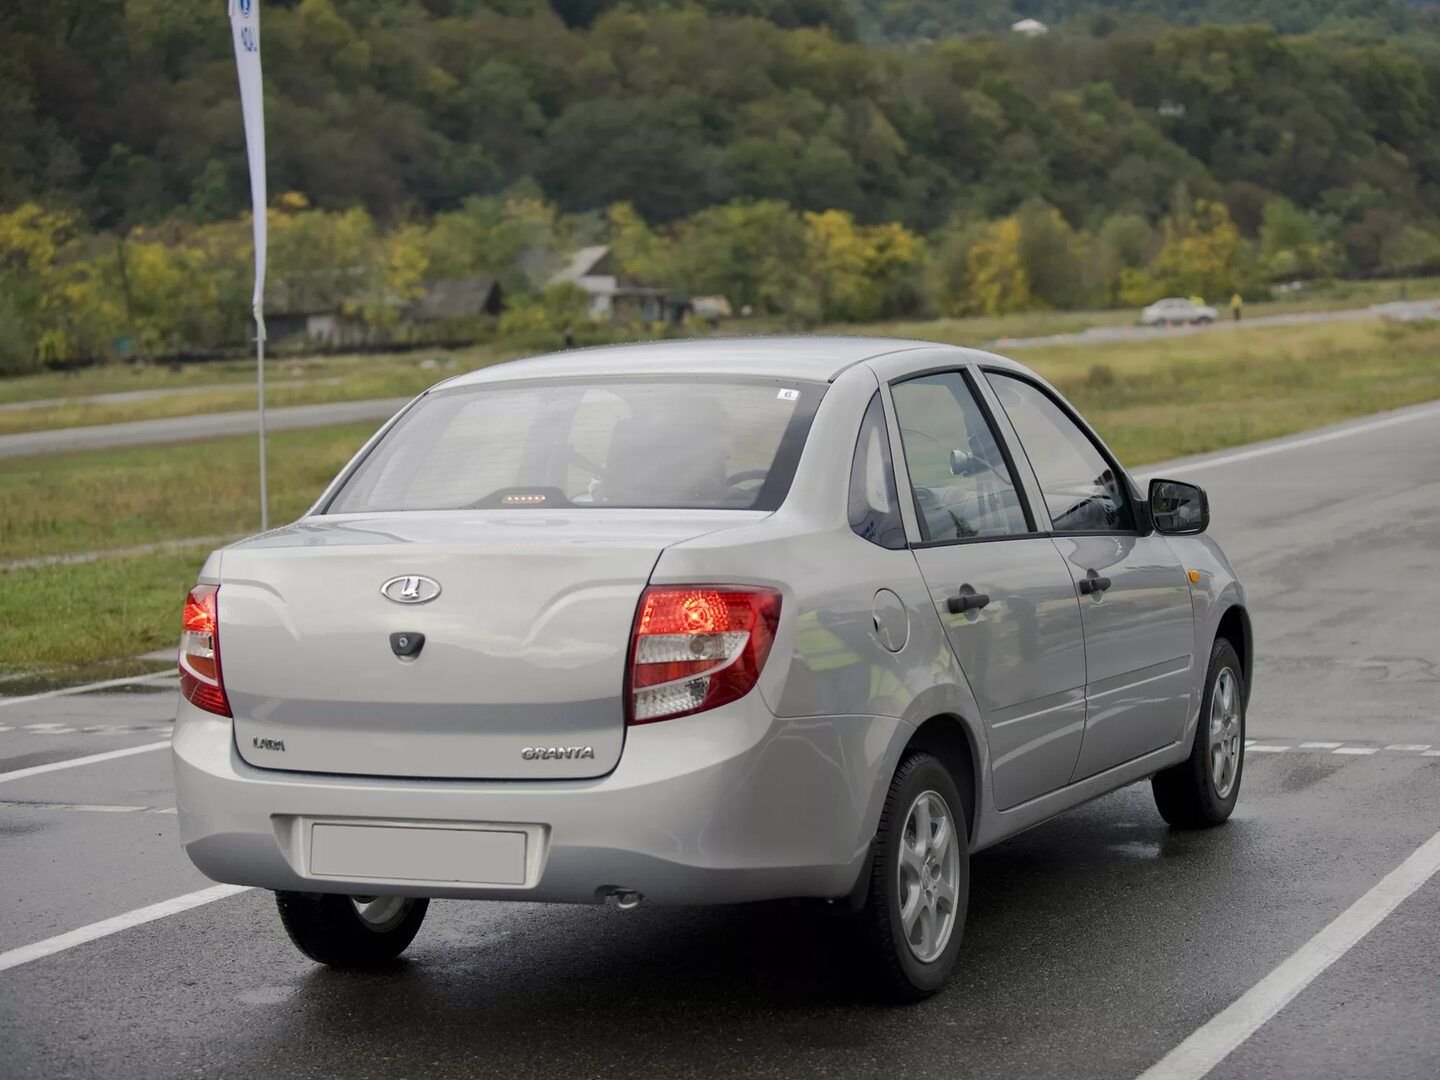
<point>1178,508</point>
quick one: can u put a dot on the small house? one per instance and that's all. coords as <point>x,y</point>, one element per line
<point>610,297</point>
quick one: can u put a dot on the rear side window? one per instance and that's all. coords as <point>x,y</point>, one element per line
<point>874,506</point>
<point>672,443</point>
<point>1081,490</point>
<point>961,483</point>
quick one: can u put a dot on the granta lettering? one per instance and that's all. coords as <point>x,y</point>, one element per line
<point>553,753</point>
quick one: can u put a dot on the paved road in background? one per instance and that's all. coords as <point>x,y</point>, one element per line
<point>214,425</point>
<point>1097,942</point>
<point>173,429</point>
<point>1400,310</point>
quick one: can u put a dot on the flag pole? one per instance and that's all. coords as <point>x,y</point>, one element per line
<point>260,389</point>
<point>245,29</point>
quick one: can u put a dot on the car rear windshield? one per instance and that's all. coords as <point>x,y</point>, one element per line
<point>683,443</point>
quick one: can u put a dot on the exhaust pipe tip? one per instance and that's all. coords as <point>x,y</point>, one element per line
<point>625,899</point>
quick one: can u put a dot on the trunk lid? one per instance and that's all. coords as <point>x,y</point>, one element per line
<point>522,670</point>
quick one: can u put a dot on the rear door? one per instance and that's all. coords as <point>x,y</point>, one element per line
<point>1000,588</point>
<point>1133,593</point>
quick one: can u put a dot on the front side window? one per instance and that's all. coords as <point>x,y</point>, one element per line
<point>874,507</point>
<point>962,486</point>
<point>1081,490</point>
<point>666,443</point>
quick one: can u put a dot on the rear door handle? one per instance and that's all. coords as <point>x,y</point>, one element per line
<point>967,600</point>
<point>1093,583</point>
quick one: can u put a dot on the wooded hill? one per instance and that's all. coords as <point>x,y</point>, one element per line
<point>126,112</point>
<point>763,149</point>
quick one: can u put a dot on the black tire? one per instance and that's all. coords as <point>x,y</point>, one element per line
<point>329,930</point>
<point>896,973</point>
<point>1187,795</point>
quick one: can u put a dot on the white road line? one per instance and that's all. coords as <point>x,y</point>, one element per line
<point>1320,745</point>
<point>1258,749</point>
<point>105,685</point>
<point>71,763</point>
<point>1210,1045</point>
<point>1431,753</point>
<point>1293,444</point>
<point>96,808</point>
<point>1357,751</point>
<point>1409,748</point>
<point>105,927</point>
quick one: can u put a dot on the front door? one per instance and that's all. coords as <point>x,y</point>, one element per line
<point>1133,593</point>
<point>1000,587</point>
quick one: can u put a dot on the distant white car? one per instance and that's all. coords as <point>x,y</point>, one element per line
<point>1175,310</point>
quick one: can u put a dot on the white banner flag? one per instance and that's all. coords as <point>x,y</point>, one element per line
<point>245,26</point>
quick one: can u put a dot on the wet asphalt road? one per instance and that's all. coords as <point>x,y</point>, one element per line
<point>1096,942</point>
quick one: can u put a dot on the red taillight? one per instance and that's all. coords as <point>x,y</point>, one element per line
<point>697,646</point>
<point>200,679</point>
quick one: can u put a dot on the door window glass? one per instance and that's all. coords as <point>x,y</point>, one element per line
<point>874,506</point>
<point>962,487</point>
<point>1081,490</point>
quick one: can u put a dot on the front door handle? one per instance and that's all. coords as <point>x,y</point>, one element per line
<point>1093,583</point>
<point>967,600</point>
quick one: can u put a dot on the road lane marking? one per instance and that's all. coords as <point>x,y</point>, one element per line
<point>85,687</point>
<point>71,763</point>
<point>105,927</point>
<point>1227,1030</point>
<point>1422,749</point>
<point>1293,444</point>
<point>93,808</point>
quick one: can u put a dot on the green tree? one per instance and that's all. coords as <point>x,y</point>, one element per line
<point>1291,244</point>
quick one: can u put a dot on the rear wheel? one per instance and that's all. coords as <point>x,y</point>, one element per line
<point>1201,791</point>
<point>350,931</point>
<point>914,914</point>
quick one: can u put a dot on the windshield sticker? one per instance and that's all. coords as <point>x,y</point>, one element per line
<point>789,395</point>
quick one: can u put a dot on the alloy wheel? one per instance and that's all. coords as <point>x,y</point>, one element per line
<point>1225,733</point>
<point>929,872</point>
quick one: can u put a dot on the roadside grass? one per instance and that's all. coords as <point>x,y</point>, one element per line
<point>288,382</point>
<point>66,616</point>
<point>1172,397</point>
<point>1151,400</point>
<point>57,504</point>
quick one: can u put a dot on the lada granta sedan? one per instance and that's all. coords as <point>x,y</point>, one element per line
<point>704,622</point>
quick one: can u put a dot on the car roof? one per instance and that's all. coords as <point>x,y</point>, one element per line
<point>813,358</point>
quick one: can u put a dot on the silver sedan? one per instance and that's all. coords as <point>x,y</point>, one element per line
<point>704,622</point>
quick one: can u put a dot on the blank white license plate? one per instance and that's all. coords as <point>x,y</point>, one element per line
<point>417,853</point>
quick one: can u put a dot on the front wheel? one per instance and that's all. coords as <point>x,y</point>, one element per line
<point>350,931</point>
<point>1201,791</point>
<point>914,913</point>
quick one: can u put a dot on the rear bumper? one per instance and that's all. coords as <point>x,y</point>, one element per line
<point>731,805</point>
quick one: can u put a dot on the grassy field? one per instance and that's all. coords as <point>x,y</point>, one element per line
<point>54,617</point>
<point>1151,400</point>
<point>58,504</point>
<point>229,385</point>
